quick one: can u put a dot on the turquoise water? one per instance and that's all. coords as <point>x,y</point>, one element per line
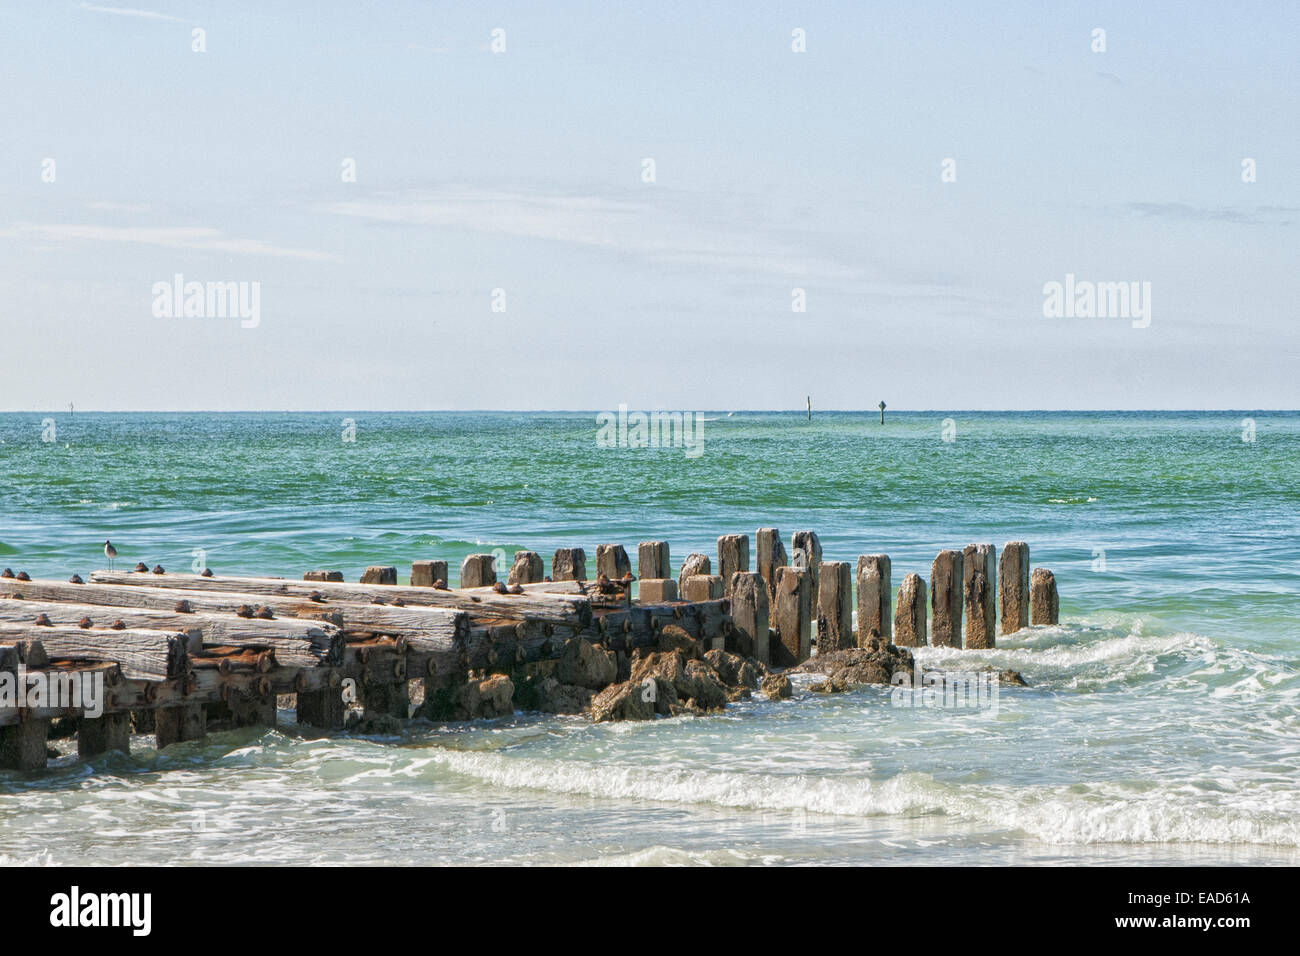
<point>1161,723</point>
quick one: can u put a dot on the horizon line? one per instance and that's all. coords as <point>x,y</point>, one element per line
<point>596,411</point>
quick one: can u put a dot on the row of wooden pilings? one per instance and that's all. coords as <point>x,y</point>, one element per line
<point>787,599</point>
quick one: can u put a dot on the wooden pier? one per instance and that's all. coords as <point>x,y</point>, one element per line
<point>178,654</point>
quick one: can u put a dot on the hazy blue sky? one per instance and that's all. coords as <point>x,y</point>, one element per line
<point>774,170</point>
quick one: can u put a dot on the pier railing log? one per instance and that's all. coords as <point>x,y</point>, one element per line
<point>299,643</point>
<point>141,654</point>
<point>558,608</point>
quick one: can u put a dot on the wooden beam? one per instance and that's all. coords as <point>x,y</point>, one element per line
<point>142,654</point>
<point>558,608</point>
<point>296,642</point>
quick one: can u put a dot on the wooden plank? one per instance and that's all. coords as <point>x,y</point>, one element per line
<point>426,628</point>
<point>142,654</point>
<point>296,643</point>
<point>558,608</point>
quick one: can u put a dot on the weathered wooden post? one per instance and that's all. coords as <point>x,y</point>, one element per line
<point>733,556</point>
<point>176,724</point>
<point>97,735</point>
<point>874,597</point>
<point>527,568</point>
<point>694,564</point>
<point>652,560</point>
<point>1043,599</point>
<point>835,607</point>
<point>22,745</point>
<point>612,561</point>
<point>1013,586</point>
<point>424,574</point>
<point>323,576</point>
<point>792,617</point>
<point>379,574</point>
<point>656,590</point>
<point>392,699</point>
<point>979,589</point>
<point>909,618</point>
<point>811,546</point>
<point>325,707</point>
<point>477,571</point>
<point>750,617</point>
<point>703,587</point>
<point>569,564</point>
<point>946,599</point>
<point>771,555</point>
<point>252,711</point>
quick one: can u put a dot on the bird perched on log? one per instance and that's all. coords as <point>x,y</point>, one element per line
<point>110,552</point>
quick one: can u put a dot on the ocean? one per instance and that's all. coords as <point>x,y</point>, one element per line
<point>1160,724</point>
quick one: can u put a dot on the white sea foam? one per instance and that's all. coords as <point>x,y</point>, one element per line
<point>1078,814</point>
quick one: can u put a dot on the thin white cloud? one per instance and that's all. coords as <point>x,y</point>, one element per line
<point>131,12</point>
<point>664,231</point>
<point>171,237</point>
<point>106,205</point>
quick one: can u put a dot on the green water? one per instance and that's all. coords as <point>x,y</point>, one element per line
<point>1161,722</point>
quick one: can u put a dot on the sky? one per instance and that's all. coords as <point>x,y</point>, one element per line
<point>921,171</point>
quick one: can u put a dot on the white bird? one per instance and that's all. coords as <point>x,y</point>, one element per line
<point>110,552</point>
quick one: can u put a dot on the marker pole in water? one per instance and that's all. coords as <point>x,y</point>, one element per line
<point>882,413</point>
<point>809,408</point>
